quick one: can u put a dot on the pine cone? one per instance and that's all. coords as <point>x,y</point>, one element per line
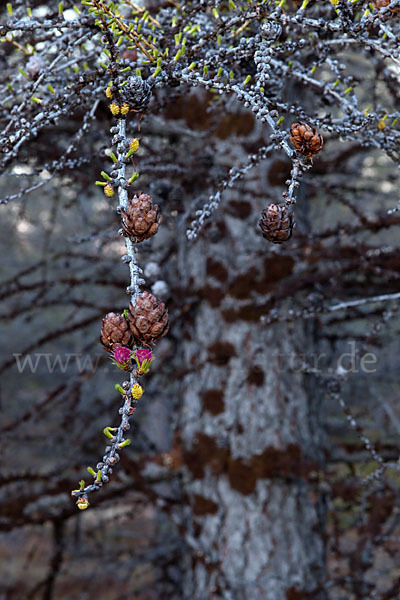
<point>141,218</point>
<point>276,223</point>
<point>305,139</point>
<point>115,332</point>
<point>136,93</point>
<point>148,318</point>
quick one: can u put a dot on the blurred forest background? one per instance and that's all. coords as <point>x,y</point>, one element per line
<point>251,472</point>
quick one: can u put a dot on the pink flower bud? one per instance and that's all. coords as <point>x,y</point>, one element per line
<point>142,355</point>
<point>122,357</point>
<point>143,358</point>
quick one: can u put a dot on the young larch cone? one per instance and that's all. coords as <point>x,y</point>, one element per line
<point>305,139</point>
<point>148,318</point>
<point>115,332</point>
<point>136,93</point>
<point>141,219</point>
<point>143,358</point>
<point>276,223</point>
<point>121,357</point>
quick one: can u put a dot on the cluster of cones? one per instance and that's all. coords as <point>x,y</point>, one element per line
<point>146,321</point>
<point>277,220</point>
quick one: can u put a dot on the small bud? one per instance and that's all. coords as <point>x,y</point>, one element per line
<point>108,191</point>
<point>107,432</point>
<point>137,391</point>
<point>133,178</point>
<point>109,93</point>
<point>106,176</point>
<point>124,444</point>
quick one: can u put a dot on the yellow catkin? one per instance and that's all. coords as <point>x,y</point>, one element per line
<point>134,145</point>
<point>137,391</point>
<point>82,503</point>
<point>115,109</point>
<point>109,192</point>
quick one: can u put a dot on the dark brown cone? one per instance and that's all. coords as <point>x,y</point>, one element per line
<point>148,318</point>
<point>276,223</point>
<point>141,218</point>
<point>115,332</point>
<point>305,139</point>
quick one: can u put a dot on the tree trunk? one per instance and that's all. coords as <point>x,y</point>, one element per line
<point>248,427</point>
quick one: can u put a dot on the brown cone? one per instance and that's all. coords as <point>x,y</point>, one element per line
<point>148,318</point>
<point>276,223</point>
<point>305,139</point>
<point>141,218</point>
<point>382,3</point>
<point>115,332</point>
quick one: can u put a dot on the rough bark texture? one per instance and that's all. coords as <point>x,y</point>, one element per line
<point>248,430</point>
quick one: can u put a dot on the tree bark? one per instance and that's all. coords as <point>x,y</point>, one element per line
<point>249,429</point>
